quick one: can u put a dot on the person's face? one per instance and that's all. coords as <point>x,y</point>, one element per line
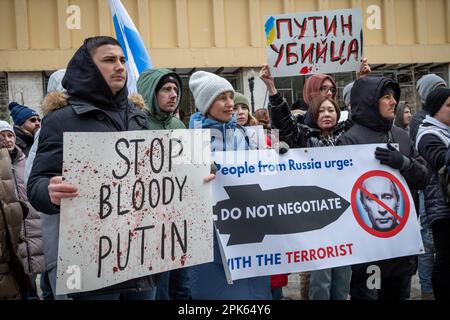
<point>32,124</point>
<point>241,111</point>
<point>110,60</point>
<point>327,89</point>
<point>386,106</point>
<point>443,115</point>
<point>222,108</point>
<point>9,139</point>
<point>167,97</point>
<point>407,116</point>
<point>381,189</point>
<point>327,117</point>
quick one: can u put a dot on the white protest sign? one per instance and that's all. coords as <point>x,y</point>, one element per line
<point>256,136</point>
<point>142,208</point>
<point>311,209</point>
<point>314,42</point>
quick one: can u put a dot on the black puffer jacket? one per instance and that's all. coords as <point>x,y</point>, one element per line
<point>91,107</point>
<point>433,140</point>
<point>300,135</point>
<point>370,127</point>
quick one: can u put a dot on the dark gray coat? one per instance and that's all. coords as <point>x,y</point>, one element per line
<point>433,140</point>
<point>370,127</point>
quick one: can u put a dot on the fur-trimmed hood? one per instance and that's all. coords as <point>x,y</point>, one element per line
<point>56,100</point>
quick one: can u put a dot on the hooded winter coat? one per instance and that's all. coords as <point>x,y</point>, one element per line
<point>31,248</point>
<point>13,280</point>
<point>399,118</point>
<point>91,107</point>
<point>370,127</point>
<point>158,119</point>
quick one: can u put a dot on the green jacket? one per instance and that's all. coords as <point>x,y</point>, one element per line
<point>146,85</point>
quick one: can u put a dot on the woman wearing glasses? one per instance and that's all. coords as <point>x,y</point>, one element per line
<point>320,128</point>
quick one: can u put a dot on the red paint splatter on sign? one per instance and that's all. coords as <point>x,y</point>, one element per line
<point>305,70</point>
<point>183,259</point>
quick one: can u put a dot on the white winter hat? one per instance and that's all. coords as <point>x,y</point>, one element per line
<point>54,82</point>
<point>205,87</point>
<point>5,126</point>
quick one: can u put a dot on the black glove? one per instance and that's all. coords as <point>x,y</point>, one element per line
<point>391,157</point>
<point>281,147</point>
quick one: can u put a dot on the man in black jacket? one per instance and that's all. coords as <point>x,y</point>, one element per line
<point>95,81</point>
<point>373,102</point>
<point>26,123</point>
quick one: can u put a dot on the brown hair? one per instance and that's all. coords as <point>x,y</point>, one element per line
<point>314,108</point>
<point>262,116</point>
<point>251,121</point>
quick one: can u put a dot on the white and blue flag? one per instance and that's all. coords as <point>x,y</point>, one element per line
<point>137,57</point>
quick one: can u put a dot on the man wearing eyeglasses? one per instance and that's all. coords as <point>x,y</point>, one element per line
<point>26,123</point>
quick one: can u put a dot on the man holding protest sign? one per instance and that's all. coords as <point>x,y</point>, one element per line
<point>162,91</point>
<point>95,81</point>
<point>373,102</point>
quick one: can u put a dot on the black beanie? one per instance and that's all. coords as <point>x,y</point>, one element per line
<point>167,78</point>
<point>435,100</point>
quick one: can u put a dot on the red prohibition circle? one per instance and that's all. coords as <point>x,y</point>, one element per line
<point>357,215</point>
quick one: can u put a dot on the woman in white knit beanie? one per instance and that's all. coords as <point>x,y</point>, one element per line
<point>213,97</point>
<point>205,88</point>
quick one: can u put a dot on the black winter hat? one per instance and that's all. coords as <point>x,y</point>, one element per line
<point>435,100</point>
<point>167,78</point>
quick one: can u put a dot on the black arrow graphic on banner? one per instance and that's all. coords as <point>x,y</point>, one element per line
<point>251,213</point>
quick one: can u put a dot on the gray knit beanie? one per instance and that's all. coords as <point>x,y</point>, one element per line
<point>436,100</point>
<point>206,87</point>
<point>54,82</point>
<point>347,93</point>
<point>428,83</point>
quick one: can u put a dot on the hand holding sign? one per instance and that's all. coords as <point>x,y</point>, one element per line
<point>364,70</point>
<point>57,190</point>
<point>268,80</point>
<point>392,157</point>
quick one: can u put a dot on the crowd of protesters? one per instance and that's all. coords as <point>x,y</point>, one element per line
<point>91,95</point>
